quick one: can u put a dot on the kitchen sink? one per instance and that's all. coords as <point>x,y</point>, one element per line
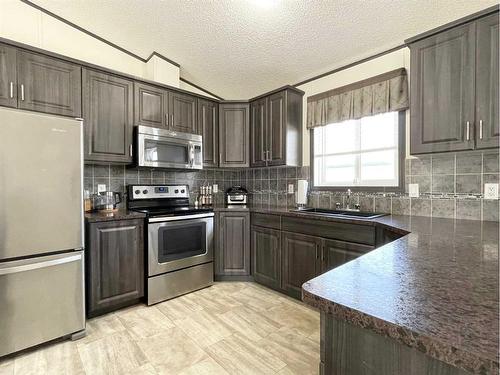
<point>340,213</point>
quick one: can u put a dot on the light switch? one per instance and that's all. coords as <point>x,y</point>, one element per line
<point>215,188</point>
<point>290,188</point>
<point>101,188</point>
<point>413,190</point>
<point>490,191</point>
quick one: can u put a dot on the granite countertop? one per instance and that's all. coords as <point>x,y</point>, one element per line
<point>119,214</point>
<point>435,289</point>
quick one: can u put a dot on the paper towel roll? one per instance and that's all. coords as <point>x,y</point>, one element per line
<point>301,196</point>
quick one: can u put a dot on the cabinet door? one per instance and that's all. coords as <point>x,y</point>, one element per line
<point>150,106</point>
<point>266,254</point>
<point>49,85</point>
<point>335,253</point>
<point>277,128</point>
<point>487,119</point>
<point>208,124</point>
<point>258,125</point>
<point>182,112</point>
<point>108,114</point>
<point>8,76</point>
<point>233,253</point>
<point>234,135</point>
<point>442,91</point>
<point>114,263</point>
<point>300,261</point>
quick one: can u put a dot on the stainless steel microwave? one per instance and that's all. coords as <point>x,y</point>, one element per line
<point>168,149</point>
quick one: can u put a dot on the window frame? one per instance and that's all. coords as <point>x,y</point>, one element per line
<point>402,157</point>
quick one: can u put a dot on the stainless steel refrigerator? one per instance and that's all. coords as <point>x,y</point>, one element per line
<point>41,229</point>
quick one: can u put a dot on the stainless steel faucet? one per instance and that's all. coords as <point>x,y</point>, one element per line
<point>348,200</point>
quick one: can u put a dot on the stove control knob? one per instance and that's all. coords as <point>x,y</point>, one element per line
<point>183,191</point>
<point>137,192</point>
<point>176,191</point>
<point>144,191</point>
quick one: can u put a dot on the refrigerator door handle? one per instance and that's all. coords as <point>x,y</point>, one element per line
<point>28,265</point>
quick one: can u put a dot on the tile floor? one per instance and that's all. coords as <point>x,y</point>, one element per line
<point>229,328</point>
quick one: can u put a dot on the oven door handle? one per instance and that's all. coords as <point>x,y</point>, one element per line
<point>178,218</point>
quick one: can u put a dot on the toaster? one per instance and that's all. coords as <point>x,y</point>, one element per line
<point>236,195</point>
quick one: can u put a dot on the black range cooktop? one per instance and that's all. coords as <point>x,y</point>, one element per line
<point>173,211</point>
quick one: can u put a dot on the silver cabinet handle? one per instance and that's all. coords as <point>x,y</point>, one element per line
<point>22,91</point>
<point>268,157</point>
<point>130,150</point>
<point>220,158</point>
<point>172,117</point>
<point>467,130</point>
<point>263,156</point>
<point>34,266</point>
<point>11,89</point>
<point>480,129</point>
<point>166,119</point>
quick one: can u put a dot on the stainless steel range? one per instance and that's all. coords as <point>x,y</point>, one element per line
<point>179,240</point>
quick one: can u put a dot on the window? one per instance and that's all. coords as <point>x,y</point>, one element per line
<point>363,153</point>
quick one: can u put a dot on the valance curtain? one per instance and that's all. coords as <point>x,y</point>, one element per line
<point>387,92</point>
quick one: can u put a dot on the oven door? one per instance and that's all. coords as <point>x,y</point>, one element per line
<point>179,242</point>
<point>169,152</point>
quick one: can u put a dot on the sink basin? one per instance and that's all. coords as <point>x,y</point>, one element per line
<point>340,213</point>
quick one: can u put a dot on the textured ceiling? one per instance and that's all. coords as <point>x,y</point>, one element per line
<point>242,48</point>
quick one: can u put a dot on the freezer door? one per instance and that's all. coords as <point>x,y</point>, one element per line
<point>40,183</point>
<point>41,299</point>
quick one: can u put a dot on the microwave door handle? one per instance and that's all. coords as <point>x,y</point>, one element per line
<point>191,155</point>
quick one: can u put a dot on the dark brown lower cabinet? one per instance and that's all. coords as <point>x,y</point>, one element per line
<point>284,260</point>
<point>300,261</point>
<point>335,253</point>
<point>266,256</point>
<point>114,265</point>
<point>232,255</point>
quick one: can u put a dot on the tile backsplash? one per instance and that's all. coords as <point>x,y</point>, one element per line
<point>451,185</point>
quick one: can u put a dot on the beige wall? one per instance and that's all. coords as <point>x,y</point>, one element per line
<point>382,64</point>
<point>25,24</point>
<point>186,86</point>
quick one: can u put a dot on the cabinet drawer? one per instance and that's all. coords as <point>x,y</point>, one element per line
<point>267,220</point>
<point>358,233</point>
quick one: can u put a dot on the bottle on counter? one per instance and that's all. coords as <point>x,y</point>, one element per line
<point>87,203</point>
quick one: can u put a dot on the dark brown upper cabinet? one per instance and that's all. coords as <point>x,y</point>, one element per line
<point>108,114</point>
<point>49,85</point>
<point>150,105</point>
<point>266,256</point>
<point>114,265</point>
<point>8,76</point>
<point>161,108</point>
<point>182,111</point>
<point>258,132</point>
<point>234,135</point>
<point>300,261</point>
<point>487,99</point>
<point>453,88</point>
<point>232,256</point>
<point>39,83</point>
<point>208,127</point>
<point>276,129</point>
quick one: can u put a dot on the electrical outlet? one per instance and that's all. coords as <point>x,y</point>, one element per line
<point>290,188</point>
<point>413,189</point>
<point>490,191</point>
<point>101,188</point>
<point>215,188</point>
